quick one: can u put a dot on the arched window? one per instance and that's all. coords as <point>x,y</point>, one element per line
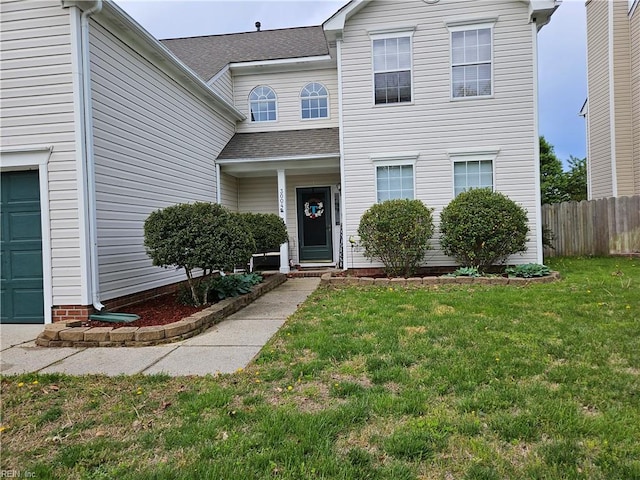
<point>314,101</point>
<point>262,102</point>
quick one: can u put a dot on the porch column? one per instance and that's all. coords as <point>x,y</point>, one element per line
<point>282,211</point>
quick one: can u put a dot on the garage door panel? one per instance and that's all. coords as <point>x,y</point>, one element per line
<point>27,305</point>
<point>25,226</point>
<point>22,293</point>
<point>22,187</point>
<point>26,266</point>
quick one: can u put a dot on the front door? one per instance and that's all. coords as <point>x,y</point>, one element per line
<point>21,295</point>
<point>314,224</point>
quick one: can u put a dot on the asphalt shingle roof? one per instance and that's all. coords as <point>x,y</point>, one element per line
<point>207,55</point>
<point>287,143</point>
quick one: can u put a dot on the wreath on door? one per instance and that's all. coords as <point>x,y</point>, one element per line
<point>314,208</point>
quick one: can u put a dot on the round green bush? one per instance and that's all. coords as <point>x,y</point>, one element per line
<point>481,228</point>
<point>268,230</point>
<point>197,236</point>
<point>397,232</point>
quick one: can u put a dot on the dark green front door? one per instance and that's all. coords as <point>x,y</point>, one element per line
<point>314,224</point>
<point>21,292</point>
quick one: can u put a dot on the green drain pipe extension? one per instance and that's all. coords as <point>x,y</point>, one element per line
<point>115,317</point>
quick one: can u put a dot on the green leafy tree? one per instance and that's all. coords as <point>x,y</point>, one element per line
<point>202,236</point>
<point>397,232</point>
<point>576,179</point>
<point>481,228</point>
<point>553,188</point>
<point>268,230</point>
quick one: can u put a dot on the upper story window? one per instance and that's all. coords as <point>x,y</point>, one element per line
<point>471,61</point>
<point>392,68</point>
<point>314,101</point>
<point>262,103</point>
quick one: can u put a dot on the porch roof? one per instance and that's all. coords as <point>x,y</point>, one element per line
<point>286,144</point>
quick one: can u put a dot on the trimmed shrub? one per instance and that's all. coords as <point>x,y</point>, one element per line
<point>268,230</point>
<point>397,232</point>
<point>481,228</point>
<point>197,236</point>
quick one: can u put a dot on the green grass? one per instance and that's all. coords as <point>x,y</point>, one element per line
<point>456,381</point>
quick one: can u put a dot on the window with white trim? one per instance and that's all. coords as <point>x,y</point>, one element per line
<point>472,174</point>
<point>394,181</point>
<point>392,69</point>
<point>471,61</point>
<point>262,103</point>
<point>314,101</point>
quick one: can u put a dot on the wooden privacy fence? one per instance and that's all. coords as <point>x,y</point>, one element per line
<point>609,226</point>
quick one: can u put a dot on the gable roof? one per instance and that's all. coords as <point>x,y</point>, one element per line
<point>282,144</point>
<point>209,54</point>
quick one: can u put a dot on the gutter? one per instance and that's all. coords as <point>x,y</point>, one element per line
<point>88,151</point>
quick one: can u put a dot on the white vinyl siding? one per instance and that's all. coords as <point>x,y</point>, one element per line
<point>634,28</point>
<point>222,83</point>
<point>287,86</point>
<point>37,110</point>
<point>155,145</point>
<point>599,162</point>
<point>622,99</point>
<point>433,124</point>
<point>229,193</point>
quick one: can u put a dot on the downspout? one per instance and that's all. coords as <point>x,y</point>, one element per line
<point>89,153</point>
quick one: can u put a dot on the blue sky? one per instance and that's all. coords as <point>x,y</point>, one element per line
<point>561,48</point>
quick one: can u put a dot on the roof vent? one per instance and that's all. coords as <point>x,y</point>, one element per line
<point>258,26</point>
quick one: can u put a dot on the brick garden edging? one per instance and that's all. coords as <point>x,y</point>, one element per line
<point>328,279</point>
<point>71,334</point>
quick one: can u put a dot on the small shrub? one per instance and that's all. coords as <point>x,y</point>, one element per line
<point>219,288</point>
<point>465,272</point>
<point>268,230</point>
<point>528,270</point>
<point>397,232</point>
<point>197,236</point>
<point>481,228</point>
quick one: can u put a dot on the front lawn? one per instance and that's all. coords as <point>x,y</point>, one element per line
<point>457,381</point>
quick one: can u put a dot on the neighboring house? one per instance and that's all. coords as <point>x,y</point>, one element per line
<point>612,111</point>
<point>102,124</point>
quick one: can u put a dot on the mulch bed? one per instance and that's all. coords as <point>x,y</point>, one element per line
<point>158,311</point>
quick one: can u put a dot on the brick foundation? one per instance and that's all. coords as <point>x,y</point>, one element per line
<point>68,313</point>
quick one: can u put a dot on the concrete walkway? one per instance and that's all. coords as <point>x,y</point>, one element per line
<point>224,348</point>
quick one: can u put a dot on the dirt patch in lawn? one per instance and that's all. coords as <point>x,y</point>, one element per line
<point>158,311</point>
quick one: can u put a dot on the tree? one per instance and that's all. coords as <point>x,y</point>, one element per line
<point>481,227</point>
<point>556,185</point>
<point>397,232</point>
<point>201,235</point>
<point>576,178</point>
<point>553,188</point>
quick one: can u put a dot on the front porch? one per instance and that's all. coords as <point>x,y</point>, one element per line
<point>296,175</point>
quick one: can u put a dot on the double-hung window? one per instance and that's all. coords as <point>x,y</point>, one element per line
<point>395,175</point>
<point>473,169</point>
<point>392,68</point>
<point>472,61</point>
<point>262,103</point>
<point>314,101</point>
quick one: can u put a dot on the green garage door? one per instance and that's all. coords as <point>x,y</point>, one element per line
<point>22,298</point>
